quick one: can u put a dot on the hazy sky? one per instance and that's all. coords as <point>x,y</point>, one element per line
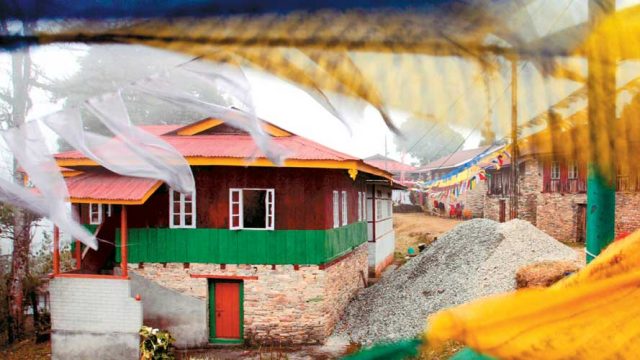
<point>291,108</point>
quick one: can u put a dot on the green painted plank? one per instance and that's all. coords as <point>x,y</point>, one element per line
<point>242,246</point>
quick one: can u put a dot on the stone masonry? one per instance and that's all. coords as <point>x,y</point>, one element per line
<point>545,209</point>
<point>282,306</point>
<point>94,319</point>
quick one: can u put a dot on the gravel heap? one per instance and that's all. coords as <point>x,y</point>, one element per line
<point>523,244</point>
<point>460,266</point>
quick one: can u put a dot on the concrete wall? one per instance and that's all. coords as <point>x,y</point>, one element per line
<point>381,254</point>
<point>94,319</point>
<point>166,308</point>
<point>282,306</point>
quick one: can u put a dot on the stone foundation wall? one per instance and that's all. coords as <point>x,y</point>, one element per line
<point>342,282</point>
<point>282,306</point>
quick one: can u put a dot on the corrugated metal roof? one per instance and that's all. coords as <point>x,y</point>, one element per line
<point>388,164</point>
<point>110,187</point>
<point>160,129</point>
<point>456,159</point>
<point>240,146</point>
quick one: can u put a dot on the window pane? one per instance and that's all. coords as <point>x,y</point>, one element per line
<point>235,221</point>
<point>235,209</point>
<point>176,220</point>
<point>187,208</point>
<point>188,220</point>
<point>254,209</point>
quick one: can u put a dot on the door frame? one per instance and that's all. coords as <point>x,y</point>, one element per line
<point>211,308</point>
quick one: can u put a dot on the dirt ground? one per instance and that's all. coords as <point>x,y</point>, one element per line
<point>27,350</point>
<point>414,228</point>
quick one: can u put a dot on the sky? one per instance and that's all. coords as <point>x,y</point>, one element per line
<point>291,108</point>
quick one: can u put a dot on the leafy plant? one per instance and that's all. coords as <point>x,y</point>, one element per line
<point>156,344</point>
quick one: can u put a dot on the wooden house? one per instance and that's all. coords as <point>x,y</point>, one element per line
<point>258,253</point>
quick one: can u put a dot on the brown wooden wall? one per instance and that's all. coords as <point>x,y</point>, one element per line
<point>303,197</point>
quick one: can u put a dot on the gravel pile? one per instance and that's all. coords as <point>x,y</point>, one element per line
<point>458,267</point>
<point>523,244</point>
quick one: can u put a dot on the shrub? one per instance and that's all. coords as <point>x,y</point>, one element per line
<point>156,344</point>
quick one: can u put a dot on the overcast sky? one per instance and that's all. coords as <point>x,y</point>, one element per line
<point>291,108</point>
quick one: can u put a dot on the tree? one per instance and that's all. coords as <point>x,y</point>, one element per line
<point>427,139</point>
<point>16,223</point>
<point>106,68</point>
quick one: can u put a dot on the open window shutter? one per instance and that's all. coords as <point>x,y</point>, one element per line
<point>344,208</point>
<point>270,206</point>
<point>546,175</point>
<point>359,206</point>
<point>235,209</point>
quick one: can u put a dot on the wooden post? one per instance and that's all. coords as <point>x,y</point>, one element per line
<point>124,231</point>
<point>78,255</point>
<point>56,250</point>
<point>513,203</point>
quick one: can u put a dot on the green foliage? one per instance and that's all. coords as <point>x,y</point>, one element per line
<point>398,350</point>
<point>156,344</point>
<point>427,139</point>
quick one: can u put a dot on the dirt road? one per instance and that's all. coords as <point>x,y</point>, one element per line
<point>414,228</point>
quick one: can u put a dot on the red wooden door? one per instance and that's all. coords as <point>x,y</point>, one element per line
<point>227,310</point>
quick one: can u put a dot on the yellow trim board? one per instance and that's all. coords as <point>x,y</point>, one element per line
<point>199,127</point>
<point>141,201</point>
<point>220,161</point>
<point>207,124</point>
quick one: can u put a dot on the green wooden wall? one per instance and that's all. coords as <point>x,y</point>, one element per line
<point>223,246</point>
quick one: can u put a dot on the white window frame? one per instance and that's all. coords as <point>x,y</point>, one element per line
<point>336,209</point>
<point>91,212</point>
<point>572,170</point>
<point>555,165</point>
<point>270,207</point>
<point>182,213</point>
<point>345,209</point>
<point>359,206</point>
<point>364,206</point>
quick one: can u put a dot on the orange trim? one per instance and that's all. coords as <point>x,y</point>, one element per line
<point>141,201</point>
<point>71,173</point>
<point>199,127</point>
<point>276,131</point>
<point>223,277</point>
<point>207,124</point>
<point>89,276</point>
<point>228,161</point>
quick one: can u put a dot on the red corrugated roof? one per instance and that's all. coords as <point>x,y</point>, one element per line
<point>389,164</point>
<point>456,159</point>
<point>160,129</point>
<point>240,146</point>
<point>110,187</point>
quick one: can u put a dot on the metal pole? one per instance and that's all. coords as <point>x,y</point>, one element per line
<point>601,195</point>
<point>513,204</point>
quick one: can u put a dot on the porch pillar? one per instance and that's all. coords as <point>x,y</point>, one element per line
<point>56,250</point>
<point>78,255</point>
<point>124,231</point>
